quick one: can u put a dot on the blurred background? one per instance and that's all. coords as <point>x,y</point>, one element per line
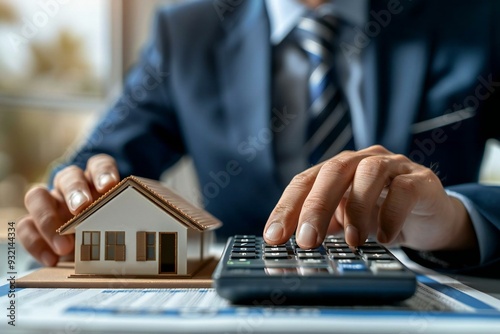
<point>61,65</point>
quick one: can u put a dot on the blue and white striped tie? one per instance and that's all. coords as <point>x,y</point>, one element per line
<point>329,130</point>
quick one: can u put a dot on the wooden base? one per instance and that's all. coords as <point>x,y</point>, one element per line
<point>61,277</point>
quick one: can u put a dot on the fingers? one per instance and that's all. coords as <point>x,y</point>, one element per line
<point>373,174</point>
<point>34,243</point>
<point>318,208</point>
<point>404,192</point>
<point>76,185</point>
<point>283,220</point>
<point>73,186</point>
<point>42,224</point>
<point>102,172</point>
<point>73,190</point>
<point>364,192</point>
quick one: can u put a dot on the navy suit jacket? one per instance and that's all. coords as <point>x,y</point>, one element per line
<point>203,88</point>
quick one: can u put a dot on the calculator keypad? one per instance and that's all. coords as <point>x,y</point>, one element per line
<point>333,257</point>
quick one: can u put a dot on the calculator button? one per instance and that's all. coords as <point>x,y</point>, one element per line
<point>243,249</point>
<point>377,266</point>
<point>246,255</point>
<point>306,271</point>
<point>357,266</point>
<point>243,244</point>
<point>336,245</point>
<point>339,250</point>
<point>378,257</point>
<point>344,256</point>
<point>276,255</point>
<point>280,263</point>
<point>309,255</point>
<point>238,263</point>
<point>312,262</point>
<point>301,250</point>
<point>245,271</point>
<point>280,245</point>
<point>334,239</point>
<point>268,249</point>
<point>280,271</point>
<point>245,240</point>
<point>373,250</point>
<point>244,236</point>
<point>346,260</point>
<point>370,246</point>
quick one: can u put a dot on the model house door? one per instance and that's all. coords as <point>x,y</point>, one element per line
<point>168,253</point>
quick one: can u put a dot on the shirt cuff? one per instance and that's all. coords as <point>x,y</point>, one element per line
<point>480,226</point>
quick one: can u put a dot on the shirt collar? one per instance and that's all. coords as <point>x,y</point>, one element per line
<point>284,14</point>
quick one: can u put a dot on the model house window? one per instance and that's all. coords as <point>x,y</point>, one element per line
<point>91,246</point>
<point>146,246</point>
<point>150,246</point>
<point>115,246</point>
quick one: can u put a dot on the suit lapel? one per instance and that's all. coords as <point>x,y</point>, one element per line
<point>395,69</point>
<point>370,91</point>
<point>404,96</point>
<point>243,65</point>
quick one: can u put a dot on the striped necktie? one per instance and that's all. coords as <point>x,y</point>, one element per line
<point>329,130</point>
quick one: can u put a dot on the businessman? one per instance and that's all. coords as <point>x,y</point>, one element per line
<point>381,109</point>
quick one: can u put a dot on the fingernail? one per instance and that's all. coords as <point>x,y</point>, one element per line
<point>104,180</point>
<point>61,244</point>
<point>307,235</point>
<point>352,235</point>
<point>76,199</point>
<point>48,259</point>
<point>274,231</point>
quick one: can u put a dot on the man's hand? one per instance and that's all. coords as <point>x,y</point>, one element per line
<point>370,192</point>
<point>74,190</point>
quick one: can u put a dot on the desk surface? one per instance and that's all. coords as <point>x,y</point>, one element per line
<point>158,309</point>
<point>441,305</point>
<point>191,311</point>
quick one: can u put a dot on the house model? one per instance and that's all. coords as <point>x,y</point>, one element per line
<point>141,228</point>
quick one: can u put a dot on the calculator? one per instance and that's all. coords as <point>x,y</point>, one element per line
<point>253,272</point>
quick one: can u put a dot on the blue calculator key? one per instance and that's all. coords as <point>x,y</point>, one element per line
<point>357,266</point>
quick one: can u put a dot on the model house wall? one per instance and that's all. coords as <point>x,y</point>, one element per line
<point>131,212</point>
<point>140,228</point>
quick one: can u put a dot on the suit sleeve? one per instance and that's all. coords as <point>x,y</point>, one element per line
<point>481,201</point>
<point>141,130</point>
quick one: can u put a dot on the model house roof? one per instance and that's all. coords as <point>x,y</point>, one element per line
<point>172,203</point>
